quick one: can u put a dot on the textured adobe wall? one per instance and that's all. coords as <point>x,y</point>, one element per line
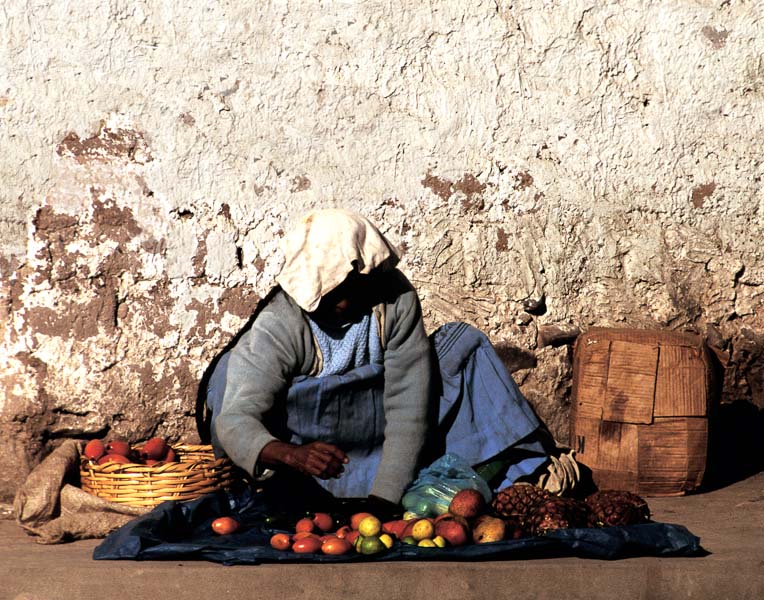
<point>591,162</point>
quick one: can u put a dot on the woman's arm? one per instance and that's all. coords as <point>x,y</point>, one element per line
<point>260,369</point>
<point>408,373</point>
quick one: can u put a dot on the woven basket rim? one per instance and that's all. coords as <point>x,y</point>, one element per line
<point>111,468</point>
<point>137,484</point>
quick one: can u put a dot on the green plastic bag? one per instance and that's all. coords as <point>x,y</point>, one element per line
<point>432,491</point>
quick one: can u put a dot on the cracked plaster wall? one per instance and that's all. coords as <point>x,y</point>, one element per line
<point>602,156</point>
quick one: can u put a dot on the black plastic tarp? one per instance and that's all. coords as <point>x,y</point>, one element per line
<point>182,531</point>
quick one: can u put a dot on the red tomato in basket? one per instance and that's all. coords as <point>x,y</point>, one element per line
<point>225,525</point>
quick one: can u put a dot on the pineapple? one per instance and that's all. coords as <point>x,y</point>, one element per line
<point>516,503</point>
<point>558,513</point>
<point>616,507</point>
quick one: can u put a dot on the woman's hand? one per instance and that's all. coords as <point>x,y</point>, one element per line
<point>317,458</point>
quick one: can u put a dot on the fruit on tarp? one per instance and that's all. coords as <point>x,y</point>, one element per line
<point>224,525</point>
<point>488,529</point>
<point>307,544</point>
<point>343,531</point>
<point>356,519</point>
<point>323,521</point>
<point>616,507</point>
<point>423,529</point>
<point>352,536</point>
<point>94,449</point>
<point>369,526</point>
<point>336,546</point>
<point>454,531</point>
<point>558,513</point>
<point>281,541</point>
<point>467,503</point>
<point>395,527</point>
<point>304,524</point>
<point>517,502</point>
<point>370,545</point>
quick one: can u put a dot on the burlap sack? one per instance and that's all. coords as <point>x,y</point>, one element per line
<point>49,504</point>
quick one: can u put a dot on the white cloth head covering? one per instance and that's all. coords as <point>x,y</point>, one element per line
<point>324,247</point>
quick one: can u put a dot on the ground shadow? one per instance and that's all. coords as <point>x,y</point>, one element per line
<point>735,444</point>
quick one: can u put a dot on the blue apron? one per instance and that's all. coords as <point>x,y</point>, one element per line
<point>481,414</point>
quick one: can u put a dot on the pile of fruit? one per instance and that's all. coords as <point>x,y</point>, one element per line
<point>520,510</point>
<point>154,452</point>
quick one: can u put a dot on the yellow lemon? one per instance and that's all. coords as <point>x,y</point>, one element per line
<point>439,541</point>
<point>370,545</point>
<point>369,526</point>
<point>423,530</point>
<point>408,515</point>
<point>426,544</point>
<point>386,540</point>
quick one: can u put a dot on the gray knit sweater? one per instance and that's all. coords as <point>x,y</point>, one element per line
<point>279,346</point>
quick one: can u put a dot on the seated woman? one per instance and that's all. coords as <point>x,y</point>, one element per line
<point>336,380</point>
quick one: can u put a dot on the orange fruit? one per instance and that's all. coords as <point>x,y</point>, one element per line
<point>343,531</point>
<point>115,458</point>
<point>281,541</point>
<point>308,544</point>
<point>336,546</point>
<point>352,536</point>
<point>301,535</point>
<point>323,521</point>
<point>225,525</point>
<point>304,525</point>
<point>94,449</point>
<point>356,519</point>
<point>118,447</point>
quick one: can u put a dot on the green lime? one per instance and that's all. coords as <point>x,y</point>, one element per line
<point>371,545</point>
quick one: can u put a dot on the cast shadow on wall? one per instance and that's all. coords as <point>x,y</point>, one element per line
<point>735,436</point>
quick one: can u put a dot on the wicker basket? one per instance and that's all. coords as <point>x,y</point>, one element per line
<point>641,403</point>
<point>197,473</point>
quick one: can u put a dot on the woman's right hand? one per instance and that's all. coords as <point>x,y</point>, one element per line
<point>317,459</point>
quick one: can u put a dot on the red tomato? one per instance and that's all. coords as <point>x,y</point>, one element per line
<point>343,531</point>
<point>336,546</point>
<point>307,544</point>
<point>281,541</point>
<point>304,525</point>
<point>352,536</point>
<point>224,525</point>
<point>356,519</point>
<point>323,521</point>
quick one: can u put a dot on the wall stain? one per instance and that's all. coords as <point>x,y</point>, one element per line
<point>717,37</point>
<point>440,187</point>
<point>523,180</point>
<point>300,183</point>
<point>469,185</point>
<point>200,258</point>
<point>502,240</point>
<point>701,193</point>
<point>107,145</point>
